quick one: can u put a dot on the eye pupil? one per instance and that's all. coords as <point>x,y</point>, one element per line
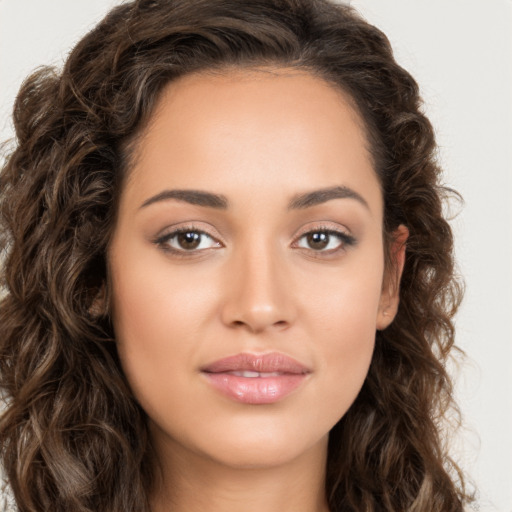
<point>189,240</point>
<point>318,240</point>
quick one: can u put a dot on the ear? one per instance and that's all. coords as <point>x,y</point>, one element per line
<point>390,295</point>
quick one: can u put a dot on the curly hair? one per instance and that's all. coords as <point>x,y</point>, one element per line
<point>72,436</point>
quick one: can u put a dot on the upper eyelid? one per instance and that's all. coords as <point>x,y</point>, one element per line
<point>169,231</point>
<point>192,227</point>
<point>326,228</point>
<point>345,238</point>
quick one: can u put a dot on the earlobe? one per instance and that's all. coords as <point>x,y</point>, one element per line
<point>390,296</point>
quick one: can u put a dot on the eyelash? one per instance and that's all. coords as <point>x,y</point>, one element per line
<point>162,241</point>
<point>345,241</point>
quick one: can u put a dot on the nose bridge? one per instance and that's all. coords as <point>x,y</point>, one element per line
<point>259,292</point>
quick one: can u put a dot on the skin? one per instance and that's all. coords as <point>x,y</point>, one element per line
<point>255,284</point>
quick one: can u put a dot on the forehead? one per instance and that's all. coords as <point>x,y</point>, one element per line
<point>260,100</point>
<point>253,128</point>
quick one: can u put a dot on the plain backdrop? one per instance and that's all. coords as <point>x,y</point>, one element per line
<point>460,52</point>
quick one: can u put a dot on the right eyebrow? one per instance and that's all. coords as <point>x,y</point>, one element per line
<point>196,197</point>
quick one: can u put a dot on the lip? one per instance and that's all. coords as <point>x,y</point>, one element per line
<point>235,377</point>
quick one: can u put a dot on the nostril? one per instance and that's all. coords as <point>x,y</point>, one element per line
<point>280,324</point>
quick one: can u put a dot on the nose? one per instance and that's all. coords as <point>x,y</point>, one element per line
<point>259,292</point>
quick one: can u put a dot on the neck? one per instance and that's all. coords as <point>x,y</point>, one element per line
<point>192,484</point>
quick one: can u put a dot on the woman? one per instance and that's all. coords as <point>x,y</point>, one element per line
<point>228,280</point>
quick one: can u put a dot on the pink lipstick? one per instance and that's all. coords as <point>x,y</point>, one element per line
<point>256,378</point>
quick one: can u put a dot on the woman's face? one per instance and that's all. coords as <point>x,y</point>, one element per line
<point>247,266</point>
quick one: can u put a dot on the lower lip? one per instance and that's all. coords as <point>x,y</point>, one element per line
<point>255,390</point>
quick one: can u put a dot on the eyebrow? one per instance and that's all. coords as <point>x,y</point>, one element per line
<point>220,202</point>
<point>316,197</point>
<point>197,197</point>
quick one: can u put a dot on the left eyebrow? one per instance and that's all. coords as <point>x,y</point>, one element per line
<point>316,197</point>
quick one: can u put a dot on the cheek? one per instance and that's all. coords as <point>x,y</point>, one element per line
<point>342,321</point>
<point>343,302</point>
<point>158,316</point>
<point>154,305</point>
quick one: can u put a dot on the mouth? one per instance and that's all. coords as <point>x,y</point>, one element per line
<point>256,378</point>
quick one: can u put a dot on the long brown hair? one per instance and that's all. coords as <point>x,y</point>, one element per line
<point>72,437</point>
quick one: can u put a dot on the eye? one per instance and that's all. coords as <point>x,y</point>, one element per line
<point>325,240</point>
<point>186,240</point>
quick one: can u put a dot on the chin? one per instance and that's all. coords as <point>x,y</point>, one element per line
<point>261,451</point>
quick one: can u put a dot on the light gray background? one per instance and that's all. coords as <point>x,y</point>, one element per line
<point>460,51</point>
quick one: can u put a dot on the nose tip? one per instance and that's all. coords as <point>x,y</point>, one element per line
<point>259,296</point>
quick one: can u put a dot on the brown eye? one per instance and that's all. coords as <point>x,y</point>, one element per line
<point>186,240</point>
<point>318,241</point>
<point>189,240</point>
<point>325,241</point>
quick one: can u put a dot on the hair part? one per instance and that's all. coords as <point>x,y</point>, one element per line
<point>72,437</point>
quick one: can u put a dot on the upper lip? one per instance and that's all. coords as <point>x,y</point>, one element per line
<point>263,363</point>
